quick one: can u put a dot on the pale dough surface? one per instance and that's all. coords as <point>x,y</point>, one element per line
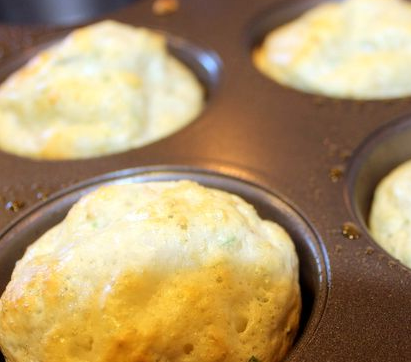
<point>358,49</point>
<point>105,88</point>
<point>167,271</point>
<point>390,217</point>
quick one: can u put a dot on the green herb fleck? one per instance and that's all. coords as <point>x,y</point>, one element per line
<point>229,241</point>
<point>253,359</point>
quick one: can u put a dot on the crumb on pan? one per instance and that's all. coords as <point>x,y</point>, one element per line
<point>165,7</point>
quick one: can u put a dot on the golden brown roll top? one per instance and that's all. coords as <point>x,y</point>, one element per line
<point>168,271</point>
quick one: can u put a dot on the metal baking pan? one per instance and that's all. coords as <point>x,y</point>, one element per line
<point>309,162</point>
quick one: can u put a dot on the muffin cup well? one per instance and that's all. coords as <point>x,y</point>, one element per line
<point>282,13</point>
<point>385,149</point>
<point>205,64</point>
<point>313,267</point>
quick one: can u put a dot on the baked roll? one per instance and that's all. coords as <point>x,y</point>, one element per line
<point>167,271</point>
<point>105,88</point>
<point>358,49</point>
<point>390,216</point>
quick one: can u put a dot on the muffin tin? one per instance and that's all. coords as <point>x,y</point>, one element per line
<point>309,162</point>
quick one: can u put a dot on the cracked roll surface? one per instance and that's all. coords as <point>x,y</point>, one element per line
<point>390,216</point>
<point>358,49</point>
<point>106,88</point>
<point>162,271</point>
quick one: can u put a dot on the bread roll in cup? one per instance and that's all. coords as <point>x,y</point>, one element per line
<point>161,271</point>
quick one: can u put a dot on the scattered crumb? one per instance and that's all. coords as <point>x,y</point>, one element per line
<point>391,264</point>
<point>165,7</point>
<point>336,173</point>
<point>15,206</point>
<point>350,231</point>
<point>42,195</point>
